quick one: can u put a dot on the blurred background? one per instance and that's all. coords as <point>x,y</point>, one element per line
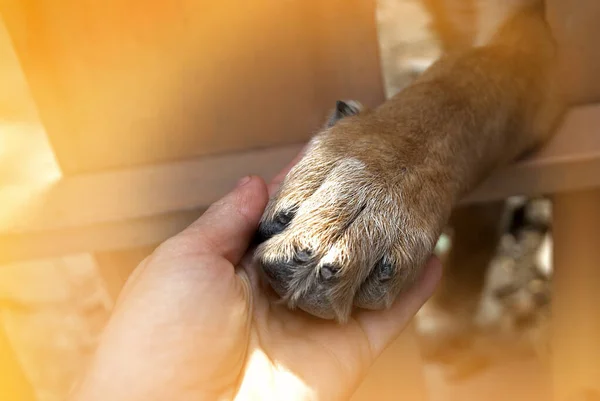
<point>52,310</point>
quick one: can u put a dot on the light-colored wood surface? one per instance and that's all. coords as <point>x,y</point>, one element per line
<point>569,161</point>
<point>576,296</point>
<point>123,83</point>
<point>142,206</point>
<point>122,209</point>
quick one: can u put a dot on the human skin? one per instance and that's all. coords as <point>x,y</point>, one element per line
<point>196,322</point>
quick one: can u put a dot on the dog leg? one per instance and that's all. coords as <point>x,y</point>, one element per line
<point>356,219</point>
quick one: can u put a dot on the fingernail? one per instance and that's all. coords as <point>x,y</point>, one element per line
<point>244,181</point>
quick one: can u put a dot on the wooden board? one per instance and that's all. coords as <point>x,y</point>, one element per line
<point>143,206</point>
<point>569,161</point>
<point>120,83</point>
<point>121,209</point>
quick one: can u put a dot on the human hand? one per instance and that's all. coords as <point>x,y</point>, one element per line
<point>195,322</point>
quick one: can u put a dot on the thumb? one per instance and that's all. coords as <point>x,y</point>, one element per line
<point>224,230</point>
<point>227,226</point>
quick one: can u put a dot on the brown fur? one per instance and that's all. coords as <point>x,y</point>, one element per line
<point>357,217</point>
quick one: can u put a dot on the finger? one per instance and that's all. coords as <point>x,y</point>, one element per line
<point>382,327</point>
<point>228,225</point>
<point>276,182</point>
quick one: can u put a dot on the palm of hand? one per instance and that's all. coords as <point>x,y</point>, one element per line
<point>291,355</point>
<point>305,357</point>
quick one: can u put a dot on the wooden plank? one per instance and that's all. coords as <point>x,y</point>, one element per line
<point>121,209</point>
<point>121,83</point>
<point>569,161</point>
<point>143,206</point>
<point>118,235</point>
<point>99,198</point>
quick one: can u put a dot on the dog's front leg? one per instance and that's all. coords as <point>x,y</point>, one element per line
<point>357,217</point>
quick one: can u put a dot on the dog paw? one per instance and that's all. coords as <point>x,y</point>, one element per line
<point>354,220</point>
